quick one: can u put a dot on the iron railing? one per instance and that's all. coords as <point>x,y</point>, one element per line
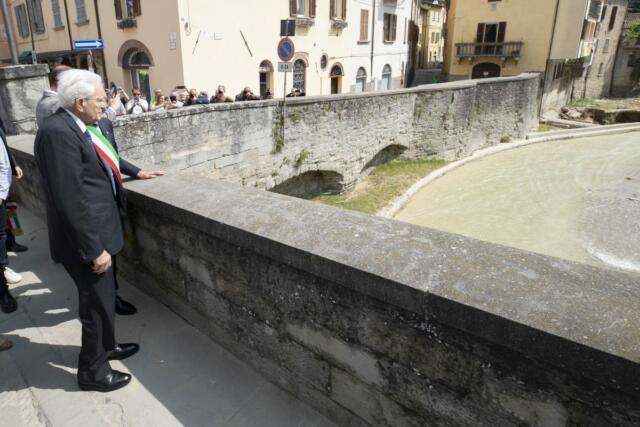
<point>505,50</point>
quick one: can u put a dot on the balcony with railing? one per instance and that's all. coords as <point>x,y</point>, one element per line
<point>504,50</point>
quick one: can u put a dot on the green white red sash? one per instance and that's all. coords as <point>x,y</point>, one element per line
<point>106,151</point>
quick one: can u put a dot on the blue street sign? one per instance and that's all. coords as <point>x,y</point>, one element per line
<point>286,49</point>
<point>88,44</point>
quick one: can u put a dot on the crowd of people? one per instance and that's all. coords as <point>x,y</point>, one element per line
<point>120,103</point>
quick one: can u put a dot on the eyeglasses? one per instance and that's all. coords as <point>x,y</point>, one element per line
<point>98,100</point>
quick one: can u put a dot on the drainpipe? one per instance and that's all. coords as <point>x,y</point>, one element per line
<point>33,42</point>
<point>553,37</point>
<point>9,29</point>
<point>66,14</point>
<point>373,39</point>
<point>104,57</point>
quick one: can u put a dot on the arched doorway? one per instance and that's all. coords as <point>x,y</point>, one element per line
<point>299,75</point>
<point>485,71</point>
<point>266,78</point>
<point>336,75</point>
<point>361,79</point>
<point>386,77</point>
<point>135,59</point>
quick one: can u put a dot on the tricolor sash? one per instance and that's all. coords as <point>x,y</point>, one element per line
<point>106,151</point>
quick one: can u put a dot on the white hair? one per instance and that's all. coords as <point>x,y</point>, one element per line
<point>74,84</point>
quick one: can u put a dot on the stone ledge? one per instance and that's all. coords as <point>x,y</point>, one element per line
<point>14,72</point>
<point>520,300</point>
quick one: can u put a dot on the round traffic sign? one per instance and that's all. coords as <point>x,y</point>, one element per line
<point>286,49</point>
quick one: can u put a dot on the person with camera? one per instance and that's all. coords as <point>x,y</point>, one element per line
<point>247,95</point>
<point>137,105</point>
<point>220,97</point>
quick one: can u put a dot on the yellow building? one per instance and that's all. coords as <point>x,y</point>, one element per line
<point>431,43</point>
<point>490,38</point>
<point>49,28</point>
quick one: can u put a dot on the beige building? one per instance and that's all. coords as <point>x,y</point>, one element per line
<point>507,37</point>
<point>49,28</point>
<point>431,42</point>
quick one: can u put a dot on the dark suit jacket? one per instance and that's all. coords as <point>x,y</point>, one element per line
<point>82,213</point>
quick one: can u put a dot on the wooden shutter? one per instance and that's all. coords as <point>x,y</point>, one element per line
<point>502,29</point>
<point>344,10</point>
<point>332,9</point>
<point>480,34</point>
<point>137,11</point>
<point>312,8</point>
<point>118,7</point>
<point>394,31</point>
<point>385,27</point>
<point>612,19</point>
<point>364,25</point>
<point>293,8</point>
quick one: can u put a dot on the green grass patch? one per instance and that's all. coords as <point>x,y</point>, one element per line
<point>387,182</point>
<point>543,127</point>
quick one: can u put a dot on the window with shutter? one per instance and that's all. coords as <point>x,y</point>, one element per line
<point>118,8</point>
<point>37,20</point>
<point>344,10</point>
<point>21,21</point>
<point>293,7</point>
<point>364,25</point>
<point>81,11</point>
<point>389,27</point>
<point>312,8</point>
<point>332,9</point>
<point>137,9</point>
<point>612,20</point>
<point>57,18</point>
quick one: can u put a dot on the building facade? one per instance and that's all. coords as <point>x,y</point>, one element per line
<point>431,44</point>
<point>341,45</point>
<point>627,66</point>
<point>45,31</point>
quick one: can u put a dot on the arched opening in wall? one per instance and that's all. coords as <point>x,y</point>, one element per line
<point>311,184</point>
<point>137,63</point>
<point>386,78</point>
<point>266,78</point>
<point>300,75</point>
<point>361,79</point>
<point>336,75</point>
<point>485,70</point>
<point>385,155</point>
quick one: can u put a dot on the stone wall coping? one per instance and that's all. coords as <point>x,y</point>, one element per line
<point>239,105</point>
<point>581,318</point>
<point>14,72</point>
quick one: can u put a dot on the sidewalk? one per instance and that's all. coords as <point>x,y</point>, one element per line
<point>180,377</point>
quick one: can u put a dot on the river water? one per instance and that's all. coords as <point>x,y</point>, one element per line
<point>577,199</point>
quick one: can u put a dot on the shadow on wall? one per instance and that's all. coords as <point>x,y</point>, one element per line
<point>385,155</point>
<point>311,184</point>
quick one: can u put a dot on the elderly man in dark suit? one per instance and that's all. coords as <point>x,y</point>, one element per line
<point>81,177</point>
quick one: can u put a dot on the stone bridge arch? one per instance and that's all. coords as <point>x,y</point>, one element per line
<point>388,153</point>
<point>310,184</point>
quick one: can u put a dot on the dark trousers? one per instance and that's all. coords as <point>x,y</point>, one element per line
<point>96,308</point>
<point>3,247</point>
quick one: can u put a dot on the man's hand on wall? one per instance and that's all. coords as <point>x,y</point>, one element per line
<point>149,174</point>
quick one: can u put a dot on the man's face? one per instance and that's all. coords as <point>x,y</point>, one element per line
<point>136,93</point>
<point>158,94</point>
<point>91,108</point>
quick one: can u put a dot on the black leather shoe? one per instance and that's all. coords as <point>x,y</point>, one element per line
<point>17,247</point>
<point>122,351</point>
<point>113,381</point>
<point>124,308</point>
<point>8,303</point>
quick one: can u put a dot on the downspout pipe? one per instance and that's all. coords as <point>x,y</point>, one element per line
<point>9,29</point>
<point>104,57</point>
<point>373,38</point>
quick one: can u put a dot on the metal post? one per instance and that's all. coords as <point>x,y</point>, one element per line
<point>9,29</point>
<point>284,103</point>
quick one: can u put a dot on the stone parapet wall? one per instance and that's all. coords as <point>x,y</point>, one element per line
<point>21,88</point>
<point>340,134</point>
<point>377,322</point>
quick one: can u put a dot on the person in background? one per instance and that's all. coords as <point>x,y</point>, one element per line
<point>191,98</point>
<point>8,303</point>
<point>174,102</point>
<point>158,102</point>
<point>268,94</point>
<point>203,98</point>
<point>247,95</point>
<point>220,97</point>
<point>137,105</point>
<point>48,104</point>
<point>116,108</point>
